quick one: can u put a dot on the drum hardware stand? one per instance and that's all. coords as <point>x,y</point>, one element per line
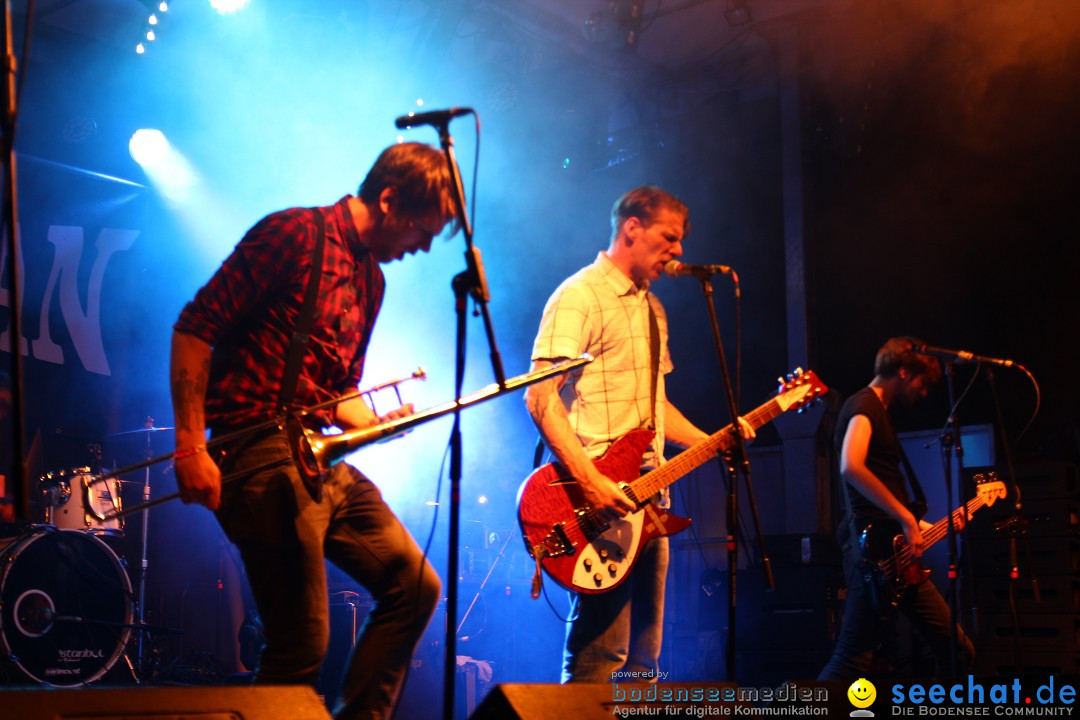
<point>483,583</point>
<point>144,563</point>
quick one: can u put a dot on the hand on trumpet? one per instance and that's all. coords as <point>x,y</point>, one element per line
<point>355,413</point>
<point>404,411</point>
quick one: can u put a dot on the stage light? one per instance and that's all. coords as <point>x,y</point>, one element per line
<point>163,7</point>
<point>228,7</point>
<point>168,171</point>
<point>152,23</point>
<point>148,147</point>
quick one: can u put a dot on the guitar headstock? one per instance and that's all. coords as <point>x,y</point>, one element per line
<point>799,389</point>
<point>988,488</point>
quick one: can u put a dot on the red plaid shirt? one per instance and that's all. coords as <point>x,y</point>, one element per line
<point>248,310</point>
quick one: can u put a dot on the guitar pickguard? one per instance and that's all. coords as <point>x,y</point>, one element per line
<point>601,564</point>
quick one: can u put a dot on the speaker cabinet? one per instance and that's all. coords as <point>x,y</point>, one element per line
<point>165,703</point>
<point>510,701</point>
<point>595,701</point>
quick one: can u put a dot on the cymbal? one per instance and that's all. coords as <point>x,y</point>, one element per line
<point>141,430</point>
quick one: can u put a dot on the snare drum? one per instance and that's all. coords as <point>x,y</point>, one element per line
<point>69,496</point>
<point>65,606</point>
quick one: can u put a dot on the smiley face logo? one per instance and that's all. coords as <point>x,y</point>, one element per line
<point>862,693</point>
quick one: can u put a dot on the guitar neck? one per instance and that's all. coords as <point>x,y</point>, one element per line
<point>941,528</point>
<point>692,458</point>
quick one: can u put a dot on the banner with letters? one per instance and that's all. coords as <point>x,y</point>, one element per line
<point>96,309</point>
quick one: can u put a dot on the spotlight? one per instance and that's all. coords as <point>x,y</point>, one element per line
<point>228,7</point>
<point>152,20</point>
<point>140,49</point>
<point>148,147</point>
<point>163,7</point>
<point>150,35</point>
<point>166,168</point>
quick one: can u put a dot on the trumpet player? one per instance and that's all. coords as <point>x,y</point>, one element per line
<point>239,354</point>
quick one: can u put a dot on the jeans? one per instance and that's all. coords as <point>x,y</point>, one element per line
<point>862,631</point>
<point>621,629</point>
<point>284,537</point>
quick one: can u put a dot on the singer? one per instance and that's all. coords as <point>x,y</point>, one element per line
<point>239,352</point>
<point>606,309</point>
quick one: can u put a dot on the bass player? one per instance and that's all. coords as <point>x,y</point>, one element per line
<point>870,465</point>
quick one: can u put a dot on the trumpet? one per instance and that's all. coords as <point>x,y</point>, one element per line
<point>88,481</point>
<point>315,453</point>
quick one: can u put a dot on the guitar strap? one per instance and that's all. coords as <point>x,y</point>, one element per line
<point>654,359</point>
<point>913,480</point>
<point>291,374</point>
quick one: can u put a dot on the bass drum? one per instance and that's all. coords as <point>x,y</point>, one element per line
<point>65,606</point>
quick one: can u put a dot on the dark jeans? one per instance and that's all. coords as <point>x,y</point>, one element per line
<point>284,536</point>
<point>862,631</point>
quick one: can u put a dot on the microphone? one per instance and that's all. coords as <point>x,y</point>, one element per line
<point>959,356</point>
<point>674,268</point>
<point>432,117</point>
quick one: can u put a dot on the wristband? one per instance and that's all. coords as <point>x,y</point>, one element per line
<point>188,452</point>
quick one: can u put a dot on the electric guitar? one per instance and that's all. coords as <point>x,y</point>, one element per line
<point>891,568</point>
<point>583,553</point>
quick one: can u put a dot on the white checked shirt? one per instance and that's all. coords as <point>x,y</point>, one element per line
<point>600,311</point>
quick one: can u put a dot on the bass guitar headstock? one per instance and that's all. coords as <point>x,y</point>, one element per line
<point>799,389</point>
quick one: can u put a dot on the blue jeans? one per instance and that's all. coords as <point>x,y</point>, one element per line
<point>284,537</point>
<point>621,629</point>
<point>862,631</point>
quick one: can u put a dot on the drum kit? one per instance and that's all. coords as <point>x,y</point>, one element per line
<point>67,608</point>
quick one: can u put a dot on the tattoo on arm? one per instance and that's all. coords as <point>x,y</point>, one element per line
<point>189,397</point>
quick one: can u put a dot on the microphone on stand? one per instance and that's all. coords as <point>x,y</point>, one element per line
<point>674,268</point>
<point>432,117</point>
<point>959,356</point>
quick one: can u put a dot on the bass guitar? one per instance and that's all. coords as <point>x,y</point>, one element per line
<point>583,553</point>
<point>891,569</point>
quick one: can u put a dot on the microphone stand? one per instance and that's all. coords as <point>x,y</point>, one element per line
<point>19,480</point>
<point>1016,525</point>
<point>471,281</point>
<point>738,459</point>
<point>949,433</point>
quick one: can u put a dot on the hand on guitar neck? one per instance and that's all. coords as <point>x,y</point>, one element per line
<point>608,498</point>
<point>917,547</point>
